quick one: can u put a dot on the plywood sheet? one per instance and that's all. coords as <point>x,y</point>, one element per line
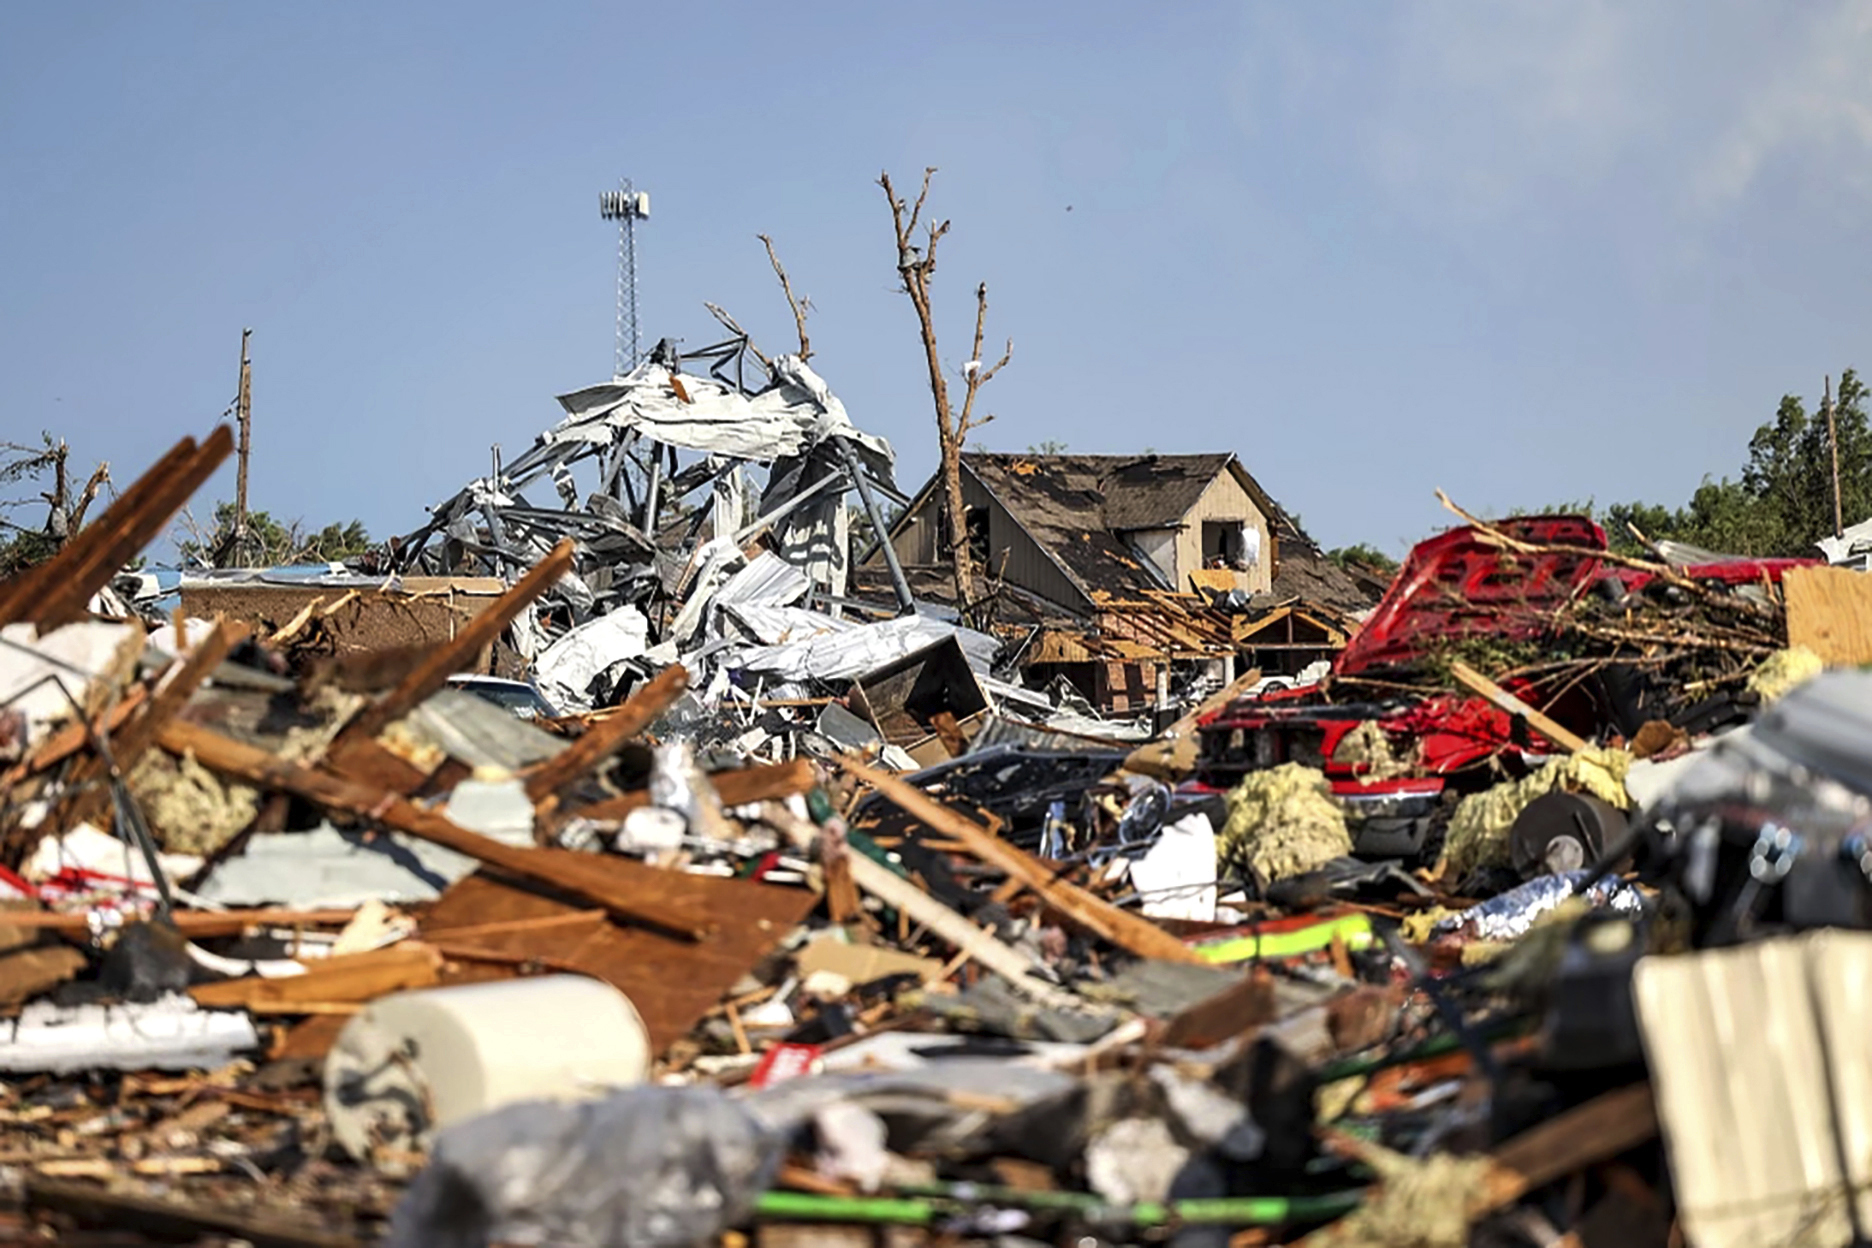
<point>1829,611</point>
<point>672,982</point>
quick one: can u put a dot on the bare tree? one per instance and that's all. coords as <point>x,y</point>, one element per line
<point>915,266</point>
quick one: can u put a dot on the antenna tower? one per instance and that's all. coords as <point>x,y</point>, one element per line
<point>626,206</point>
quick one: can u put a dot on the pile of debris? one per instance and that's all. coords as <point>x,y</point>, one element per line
<point>786,927</point>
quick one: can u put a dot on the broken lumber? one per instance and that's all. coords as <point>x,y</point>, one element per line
<point>98,1206</point>
<point>349,978</point>
<point>1130,932</point>
<point>437,665</point>
<point>258,767</point>
<point>643,708</point>
<point>1499,697</point>
<point>900,894</point>
<point>188,922</point>
<point>1567,1143</point>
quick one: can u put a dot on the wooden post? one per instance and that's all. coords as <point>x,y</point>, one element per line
<point>1839,526</point>
<point>244,417</point>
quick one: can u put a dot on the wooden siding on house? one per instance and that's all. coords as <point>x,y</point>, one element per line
<point>1013,554</point>
<point>1226,500</point>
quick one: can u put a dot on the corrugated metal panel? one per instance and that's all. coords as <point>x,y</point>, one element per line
<point>769,580</point>
<point>1763,1076</point>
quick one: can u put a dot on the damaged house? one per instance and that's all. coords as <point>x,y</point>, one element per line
<point>1127,567</point>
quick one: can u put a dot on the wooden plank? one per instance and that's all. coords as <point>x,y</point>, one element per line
<point>1563,737</point>
<point>20,592</point>
<point>672,983</point>
<point>257,766</point>
<point>600,741</point>
<point>97,1206</point>
<point>900,894</point>
<point>351,978</point>
<point>1567,1143</point>
<point>188,922</point>
<point>443,661</point>
<point>1829,611</point>
<point>1128,931</point>
<point>121,537</point>
<point>74,737</point>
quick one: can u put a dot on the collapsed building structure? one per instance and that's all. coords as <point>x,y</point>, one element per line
<point>819,918</point>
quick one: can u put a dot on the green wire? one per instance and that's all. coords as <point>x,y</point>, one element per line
<point>928,1202</point>
<point>844,1208</point>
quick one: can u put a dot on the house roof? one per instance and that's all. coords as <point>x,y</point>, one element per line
<point>1081,507</point>
<point>1123,491</point>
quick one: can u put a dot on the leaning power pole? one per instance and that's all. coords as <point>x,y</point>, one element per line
<point>243,406</point>
<point>626,206</point>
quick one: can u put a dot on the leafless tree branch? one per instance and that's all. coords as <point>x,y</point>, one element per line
<point>798,306</point>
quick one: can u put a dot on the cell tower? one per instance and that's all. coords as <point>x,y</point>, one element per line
<point>626,206</point>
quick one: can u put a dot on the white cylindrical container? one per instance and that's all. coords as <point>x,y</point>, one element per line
<point>413,1062</point>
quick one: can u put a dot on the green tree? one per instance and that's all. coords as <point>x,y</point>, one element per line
<point>1363,555</point>
<point>270,543</point>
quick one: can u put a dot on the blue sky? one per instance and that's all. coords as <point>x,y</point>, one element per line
<point>1526,252</point>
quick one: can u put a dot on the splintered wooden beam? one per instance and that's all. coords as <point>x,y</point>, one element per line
<point>260,767</point>
<point>900,894</point>
<point>1566,1144</point>
<point>1503,700</point>
<point>454,655</point>
<point>1128,931</point>
<point>117,535</point>
<point>27,590</point>
<point>643,708</point>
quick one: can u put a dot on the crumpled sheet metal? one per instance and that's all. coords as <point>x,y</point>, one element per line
<point>1513,913</point>
<point>566,669</point>
<point>822,648</point>
<point>798,412</point>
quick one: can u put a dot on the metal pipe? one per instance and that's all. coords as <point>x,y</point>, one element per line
<point>906,605</point>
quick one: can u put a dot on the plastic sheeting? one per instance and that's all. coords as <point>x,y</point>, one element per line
<point>644,1168</point>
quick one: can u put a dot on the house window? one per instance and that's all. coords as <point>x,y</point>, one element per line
<point>1230,544</point>
<point>976,519</point>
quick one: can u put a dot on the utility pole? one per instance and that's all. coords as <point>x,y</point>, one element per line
<point>244,415</point>
<point>1839,520</point>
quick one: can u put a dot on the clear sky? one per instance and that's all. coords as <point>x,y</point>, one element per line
<point>1525,251</point>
